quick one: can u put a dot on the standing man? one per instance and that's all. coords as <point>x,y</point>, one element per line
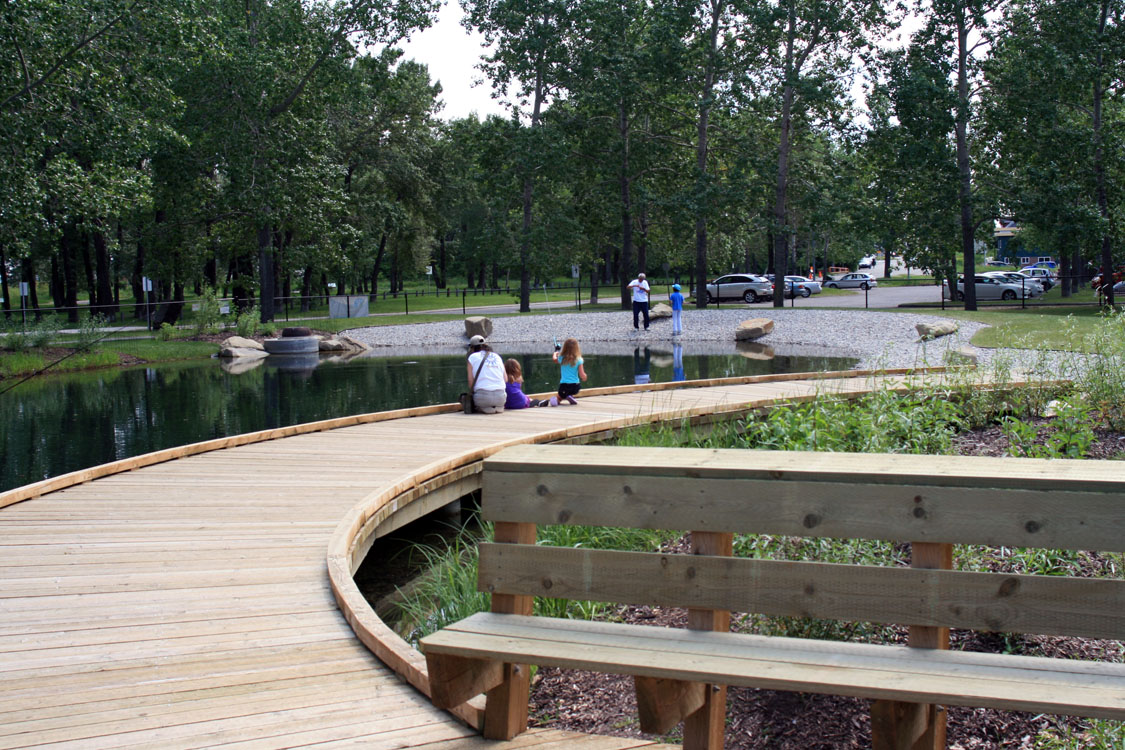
<point>640,289</point>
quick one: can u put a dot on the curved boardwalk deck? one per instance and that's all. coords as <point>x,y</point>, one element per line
<point>187,603</point>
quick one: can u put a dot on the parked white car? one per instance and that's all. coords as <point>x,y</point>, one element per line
<point>992,288</point>
<point>852,281</point>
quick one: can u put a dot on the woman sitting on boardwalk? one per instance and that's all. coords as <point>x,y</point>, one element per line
<point>486,377</point>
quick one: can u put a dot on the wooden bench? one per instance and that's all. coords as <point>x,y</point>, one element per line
<point>681,675</point>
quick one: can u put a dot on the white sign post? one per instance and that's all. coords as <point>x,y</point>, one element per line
<point>146,289</point>
<point>25,292</point>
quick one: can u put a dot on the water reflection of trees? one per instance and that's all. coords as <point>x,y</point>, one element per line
<point>58,424</point>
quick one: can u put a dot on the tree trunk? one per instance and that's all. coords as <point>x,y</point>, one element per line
<point>101,268</point>
<point>69,273</point>
<point>1064,274</point>
<point>265,272</point>
<point>439,277</point>
<point>378,262</point>
<point>135,280</point>
<point>528,190</point>
<point>780,209</point>
<point>29,277</point>
<point>701,147</point>
<point>965,192</point>
<point>7,303</point>
<point>594,273</point>
<point>306,288</point>
<point>625,266</point>
<point>88,268</point>
<point>1099,156</point>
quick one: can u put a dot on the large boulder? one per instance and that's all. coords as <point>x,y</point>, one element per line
<point>352,344</point>
<point>240,352</point>
<point>928,331</point>
<point>333,345</point>
<point>478,325</point>
<point>755,328</point>
<point>238,342</point>
<point>660,310</point>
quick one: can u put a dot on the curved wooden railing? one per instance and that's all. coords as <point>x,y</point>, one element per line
<point>454,476</point>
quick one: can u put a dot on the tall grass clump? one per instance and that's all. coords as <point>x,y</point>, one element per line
<point>447,591</point>
<point>209,317</point>
<point>1101,380</point>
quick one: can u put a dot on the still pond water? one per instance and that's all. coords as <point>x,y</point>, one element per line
<point>58,424</point>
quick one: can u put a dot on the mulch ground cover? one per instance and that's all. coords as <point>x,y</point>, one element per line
<point>773,720</point>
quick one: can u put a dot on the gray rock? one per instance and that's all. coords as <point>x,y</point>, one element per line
<point>660,310</point>
<point>755,328</point>
<point>352,344</point>
<point>929,331</point>
<point>478,325</point>
<point>238,342</point>
<point>332,345</point>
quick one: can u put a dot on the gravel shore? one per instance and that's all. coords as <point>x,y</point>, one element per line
<point>876,339</point>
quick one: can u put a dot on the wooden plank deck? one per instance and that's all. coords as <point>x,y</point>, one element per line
<point>186,603</point>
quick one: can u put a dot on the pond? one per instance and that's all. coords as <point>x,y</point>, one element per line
<point>56,424</point>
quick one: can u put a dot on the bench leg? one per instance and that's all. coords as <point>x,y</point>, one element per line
<point>506,708</point>
<point>456,679</point>
<point>505,711</point>
<point>704,729</point>
<point>907,726</point>
<point>662,703</point>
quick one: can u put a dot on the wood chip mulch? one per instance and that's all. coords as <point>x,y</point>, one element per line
<point>773,720</point>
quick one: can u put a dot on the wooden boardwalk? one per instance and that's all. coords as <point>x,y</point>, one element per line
<point>189,603</point>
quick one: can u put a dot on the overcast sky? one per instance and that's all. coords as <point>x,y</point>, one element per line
<point>451,53</point>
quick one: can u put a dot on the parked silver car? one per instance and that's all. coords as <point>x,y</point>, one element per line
<point>992,288</point>
<point>852,281</point>
<point>1016,278</point>
<point>744,286</point>
<point>805,287</point>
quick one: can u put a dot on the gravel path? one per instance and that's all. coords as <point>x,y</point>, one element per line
<point>877,339</point>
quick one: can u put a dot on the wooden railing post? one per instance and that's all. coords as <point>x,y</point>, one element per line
<point>704,729</point>
<point>505,712</point>
<point>915,726</point>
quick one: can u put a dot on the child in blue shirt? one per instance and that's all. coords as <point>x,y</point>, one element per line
<point>677,301</point>
<point>571,372</point>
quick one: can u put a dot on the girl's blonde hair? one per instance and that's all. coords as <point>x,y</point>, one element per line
<point>512,367</point>
<point>570,353</point>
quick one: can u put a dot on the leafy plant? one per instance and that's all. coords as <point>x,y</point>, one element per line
<point>1021,438</point>
<point>209,316</point>
<point>167,332</point>
<point>248,322</point>
<point>89,331</point>
<point>42,332</point>
<point>1073,434</point>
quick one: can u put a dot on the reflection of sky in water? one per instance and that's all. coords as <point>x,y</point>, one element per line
<point>57,424</point>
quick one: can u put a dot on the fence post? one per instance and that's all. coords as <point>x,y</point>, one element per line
<point>463,295</point>
<point>406,299</point>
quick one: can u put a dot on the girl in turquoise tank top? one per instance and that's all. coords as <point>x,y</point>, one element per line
<point>571,372</point>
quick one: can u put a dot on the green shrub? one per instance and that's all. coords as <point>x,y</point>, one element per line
<point>15,339</point>
<point>89,331</point>
<point>208,319</point>
<point>249,322</point>
<point>168,332</point>
<point>1102,379</point>
<point>43,331</point>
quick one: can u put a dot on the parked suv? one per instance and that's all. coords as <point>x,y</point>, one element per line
<point>743,286</point>
<point>1043,275</point>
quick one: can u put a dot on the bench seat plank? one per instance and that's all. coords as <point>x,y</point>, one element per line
<point>1023,683</point>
